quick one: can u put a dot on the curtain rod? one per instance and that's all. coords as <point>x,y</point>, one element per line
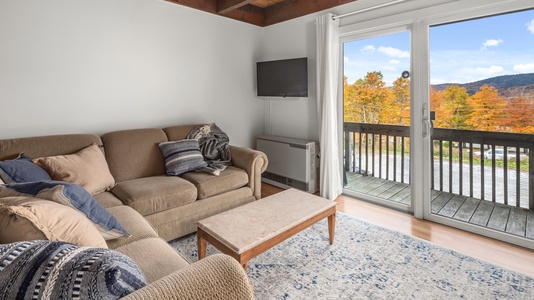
<point>367,9</point>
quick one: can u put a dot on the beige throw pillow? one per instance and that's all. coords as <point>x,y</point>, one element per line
<point>27,218</point>
<point>88,168</point>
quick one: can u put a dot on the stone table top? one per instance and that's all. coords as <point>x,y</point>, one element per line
<point>247,226</point>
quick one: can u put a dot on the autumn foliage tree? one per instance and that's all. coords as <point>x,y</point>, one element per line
<point>369,100</point>
<point>519,115</point>
<point>487,109</point>
<point>401,98</point>
<point>454,110</point>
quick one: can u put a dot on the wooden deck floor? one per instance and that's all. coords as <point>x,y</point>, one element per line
<point>513,220</point>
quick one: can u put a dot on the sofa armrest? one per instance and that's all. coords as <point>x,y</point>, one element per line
<point>253,162</point>
<point>217,276</point>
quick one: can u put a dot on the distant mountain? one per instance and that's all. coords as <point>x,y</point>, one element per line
<point>523,83</point>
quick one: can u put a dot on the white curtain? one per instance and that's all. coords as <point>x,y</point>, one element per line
<point>331,184</point>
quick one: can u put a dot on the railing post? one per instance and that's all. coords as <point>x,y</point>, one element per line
<point>354,152</point>
<point>518,182</point>
<point>450,167</point>
<point>482,192</point>
<point>347,150</point>
<point>493,175</point>
<point>461,167</point>
<point>471,170</point>
<point>432,176</point>
<point>402,159</point>
<point>530,177</point>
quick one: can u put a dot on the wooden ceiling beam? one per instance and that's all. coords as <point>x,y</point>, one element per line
<point>248,13</point>
<point>224,6</point>
<point>205,5</point>
<point>244,10</point>
<point>291,9</point>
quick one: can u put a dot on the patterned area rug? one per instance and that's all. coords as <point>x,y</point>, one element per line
<point>370,262</point>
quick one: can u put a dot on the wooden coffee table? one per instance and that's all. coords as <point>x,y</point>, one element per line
<point>249,230</point>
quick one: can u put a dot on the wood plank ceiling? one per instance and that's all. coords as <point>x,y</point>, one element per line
<point>261,12</point>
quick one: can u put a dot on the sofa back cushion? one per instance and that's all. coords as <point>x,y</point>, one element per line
<point>46,145</point>
<point>179,132</point>
<point>135,153</point>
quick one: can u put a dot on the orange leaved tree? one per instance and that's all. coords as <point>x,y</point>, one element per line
<point>488,110</point>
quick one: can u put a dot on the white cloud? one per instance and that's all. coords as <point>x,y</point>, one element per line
<point>368,48</point>
<point>524,68</point>
<point>389,68</point>
<point>346,59</point>
<point>393,52</point>
<point>394,62</point>
<point>492,43</point>
<point>530,26</point>
<point>490,71</point>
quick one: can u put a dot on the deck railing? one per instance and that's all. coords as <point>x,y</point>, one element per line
<point>492,166</point>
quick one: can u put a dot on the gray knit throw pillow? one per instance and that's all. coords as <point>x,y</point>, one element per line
<point>182,156</point>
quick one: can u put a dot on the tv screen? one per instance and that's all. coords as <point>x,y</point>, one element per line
<point>282,78</point>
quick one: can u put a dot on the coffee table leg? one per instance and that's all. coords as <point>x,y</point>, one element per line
<point>331,227</point>
<point>201,246</point>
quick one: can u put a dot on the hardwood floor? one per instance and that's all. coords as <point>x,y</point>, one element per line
<point>509,256</point>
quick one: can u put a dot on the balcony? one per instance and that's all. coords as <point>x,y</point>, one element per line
<point>482,178</point>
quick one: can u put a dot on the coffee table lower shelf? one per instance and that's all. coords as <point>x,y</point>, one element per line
<point>245,256</point>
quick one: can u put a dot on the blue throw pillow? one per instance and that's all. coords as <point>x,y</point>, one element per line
<point>22,169</point>
<point>72,195</point>
<point>59,270</point>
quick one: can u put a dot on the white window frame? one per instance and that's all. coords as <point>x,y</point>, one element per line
<point>418,23</point>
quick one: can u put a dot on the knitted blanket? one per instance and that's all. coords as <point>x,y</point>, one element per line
<point>214,146</point>
<point>58,270</point>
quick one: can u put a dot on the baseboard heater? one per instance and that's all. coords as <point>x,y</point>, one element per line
<point>293,163</point>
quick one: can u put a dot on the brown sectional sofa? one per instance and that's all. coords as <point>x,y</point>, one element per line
<point>155,208</point>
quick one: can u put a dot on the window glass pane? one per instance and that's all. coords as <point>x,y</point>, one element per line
<point>482,73</point>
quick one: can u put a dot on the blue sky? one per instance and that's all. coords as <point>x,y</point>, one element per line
<point>459,52</point>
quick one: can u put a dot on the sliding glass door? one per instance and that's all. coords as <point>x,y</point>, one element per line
<point>451,139</point>
<point>482,97</point>
<point>376,125</point>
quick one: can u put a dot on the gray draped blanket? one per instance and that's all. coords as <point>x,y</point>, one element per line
<point>214,145</point>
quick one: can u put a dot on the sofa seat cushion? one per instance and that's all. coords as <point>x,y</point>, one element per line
<point>135,224</point>
<point>154,256</point>
<point>154,194</point>
<point>209,185</point>
<point>107,199</point>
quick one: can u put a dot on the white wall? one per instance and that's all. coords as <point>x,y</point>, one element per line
<point>82,66</point>
<point>296,38</point>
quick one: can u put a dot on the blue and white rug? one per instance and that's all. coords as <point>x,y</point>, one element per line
<point>370,262</point>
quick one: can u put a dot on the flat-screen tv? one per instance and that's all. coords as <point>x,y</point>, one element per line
<point>282,78</point>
